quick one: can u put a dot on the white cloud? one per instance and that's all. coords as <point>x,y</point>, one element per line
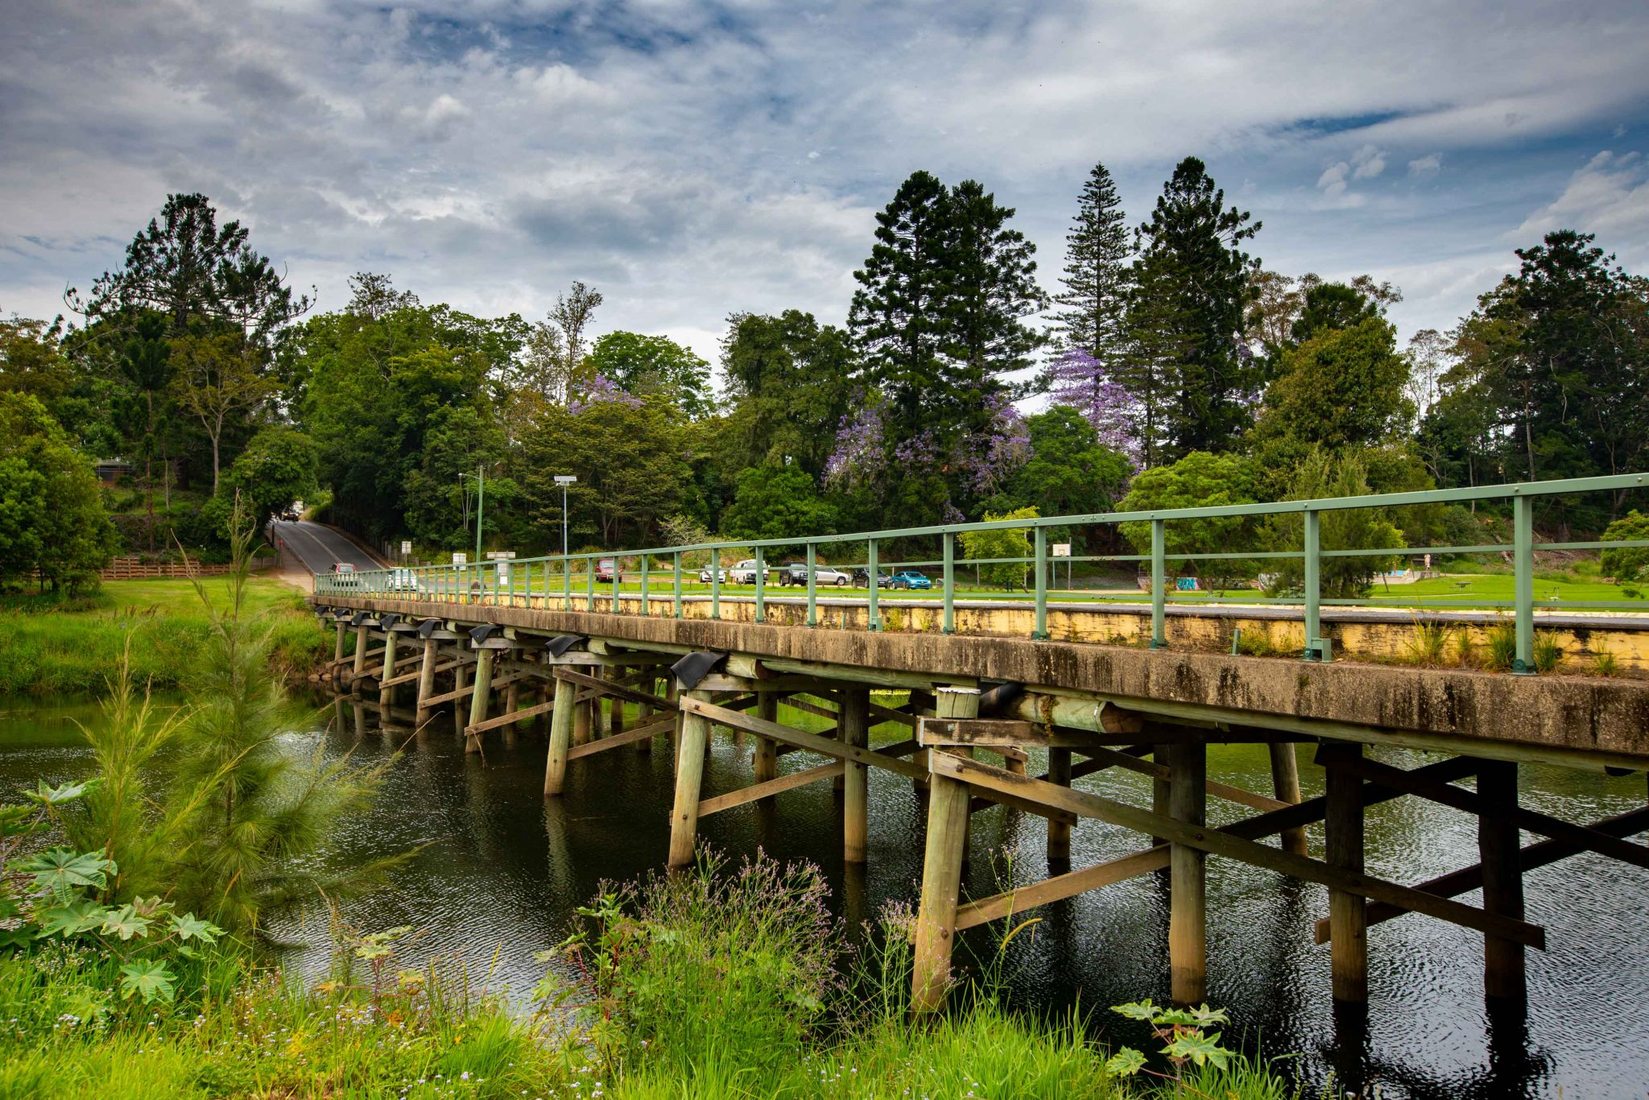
<point>1428,165</point>
<point>1608,196</point>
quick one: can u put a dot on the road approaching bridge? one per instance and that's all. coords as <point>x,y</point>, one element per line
<point>320,547</point>
<point>1015,711</point>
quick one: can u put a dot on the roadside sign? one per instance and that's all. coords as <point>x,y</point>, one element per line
<point>503,570</point>
<point>460,558</point>
<point>1062,549</point>
<point>501,555</point>
<point>406,548</point>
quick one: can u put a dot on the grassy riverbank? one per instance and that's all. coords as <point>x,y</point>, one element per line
<point>723,983</point>
<point>50,647</point>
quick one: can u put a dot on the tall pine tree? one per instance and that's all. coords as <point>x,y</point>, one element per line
<point>1187,366</point>
<point>938,318</point>
<point>1097,251</point>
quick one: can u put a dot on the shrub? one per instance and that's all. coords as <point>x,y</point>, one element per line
<point>1502,646</point>
<point>1548,651</point>
<point>1427,643</point>
<point>1628,563</point>
<point>688,964</point>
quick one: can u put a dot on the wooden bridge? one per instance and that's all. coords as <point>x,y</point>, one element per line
<point>988,720</point>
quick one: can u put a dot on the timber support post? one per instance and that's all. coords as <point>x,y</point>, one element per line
<point>426,680</point>
<point>478,701</point>
<point>684,817</point>
<point>386,690</point>
<point>941,867</point>
<point>460,681</point>
<point>1343,845</point>
<point>1187,868</point>
<point>1059,831</point>
<point>767,749</point>
<point>1498,844</point>
<point>561,737</point>
<point>1285,784</point>
<point>362,635</point>
<point>853,728</point>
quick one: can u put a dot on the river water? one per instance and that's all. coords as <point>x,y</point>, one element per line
<point>501,871</point>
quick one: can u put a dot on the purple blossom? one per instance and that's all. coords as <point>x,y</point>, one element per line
<point>601,390</point>
<point>1085,384</point>
<point>860,447</point>
<point>987,459</point>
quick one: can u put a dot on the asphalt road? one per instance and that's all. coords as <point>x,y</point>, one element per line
<point>319,546</point>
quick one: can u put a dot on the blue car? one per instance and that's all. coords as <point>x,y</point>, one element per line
<point>909,578</point>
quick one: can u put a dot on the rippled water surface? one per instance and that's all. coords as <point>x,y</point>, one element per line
<point>502,871</point>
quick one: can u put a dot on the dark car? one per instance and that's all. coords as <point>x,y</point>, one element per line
<point>861,579</point>
<point>796,573</point>
<point>909,579</point>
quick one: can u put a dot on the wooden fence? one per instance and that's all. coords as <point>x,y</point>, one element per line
<point>135,569</point>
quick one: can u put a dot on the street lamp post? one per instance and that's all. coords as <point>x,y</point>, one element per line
<point>565,480</point>
<point>480,476</point>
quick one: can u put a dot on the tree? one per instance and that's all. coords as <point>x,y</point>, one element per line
<point>776,502</point>
<point>51,513</point>
<point>1627,563</point>
<point>553,367</point>
<point>1097,250</point>
<point>1321,475</point>
<point>276,468</point>
<point>1328,306</point>
<point>628,457</point>
<point>1199,480</point>
<point>646,365</point>
<point>789,380</point>
<point>938,317</point>
<point>1070,471</point>
<point>215,377</point>
<point>1007,542</point>
<point>1340,387</point>
<point>1083,383</point>
<point>1189,370</point>
<point>185,267</point>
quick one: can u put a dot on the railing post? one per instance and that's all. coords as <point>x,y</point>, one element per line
<point>812,585</point>
<point>1159,595</point>
<point>589,584</point>
<point>1040,630</point>
<point>566,583</point>
<point>1523,582</point>
<point>644,584</point>
<point>715,583</point>
<point>947,542</point>
<point>761,586</point>
<point>618,574</point>
<point>678,585</point>
<point>873,620</point>
<point>1316,649</point>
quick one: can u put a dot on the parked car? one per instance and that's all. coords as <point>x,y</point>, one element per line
<point>705,576</point>
<point>909,579</point>
<point>604,571</point>
<point>796,573</point>
<point>403,580</point>
<point>343,575</point>
<point>744,572</point>
<point>861,579</point>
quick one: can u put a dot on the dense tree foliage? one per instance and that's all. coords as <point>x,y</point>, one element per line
<point>1180,372</point>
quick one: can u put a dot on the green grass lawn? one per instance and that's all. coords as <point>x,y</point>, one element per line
<point>49,649</point>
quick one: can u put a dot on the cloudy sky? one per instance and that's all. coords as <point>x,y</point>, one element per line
<point>695,159</point>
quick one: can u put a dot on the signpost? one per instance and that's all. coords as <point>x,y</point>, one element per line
<point>406,549</point>
<point>503,559</point>
<point>1063,550</point>
<point>460,558</point>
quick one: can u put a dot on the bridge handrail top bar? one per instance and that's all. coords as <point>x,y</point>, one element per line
<point>1559,487</point>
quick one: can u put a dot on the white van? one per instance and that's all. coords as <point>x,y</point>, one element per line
<point>743,573</point>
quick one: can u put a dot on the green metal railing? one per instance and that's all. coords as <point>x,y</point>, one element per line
<point>513,582</point>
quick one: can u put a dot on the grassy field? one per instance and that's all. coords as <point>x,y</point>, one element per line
<point>50,648</point>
